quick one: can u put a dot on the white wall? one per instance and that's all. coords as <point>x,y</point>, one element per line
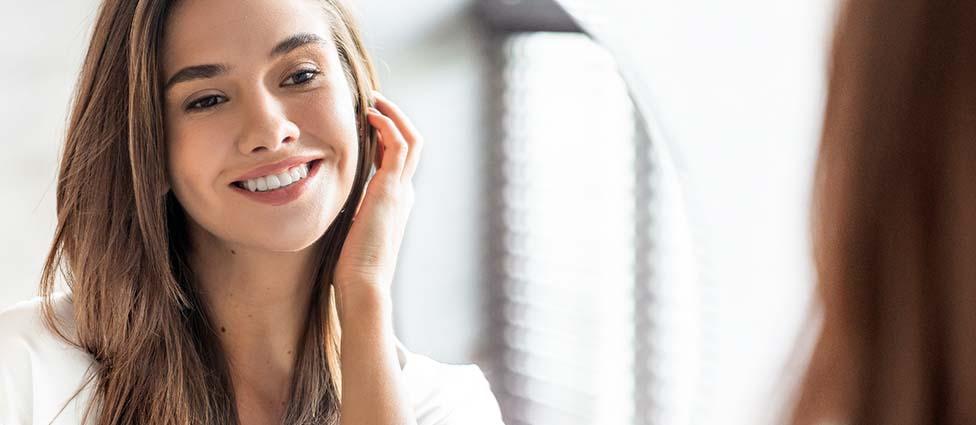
<point>41,47</point>
<point>429,62</point>
<point>733,93</point>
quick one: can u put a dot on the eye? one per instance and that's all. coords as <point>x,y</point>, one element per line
<point>206,102</point>
<point>302,77</point>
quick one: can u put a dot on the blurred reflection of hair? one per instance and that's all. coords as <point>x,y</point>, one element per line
<point>895,219</point>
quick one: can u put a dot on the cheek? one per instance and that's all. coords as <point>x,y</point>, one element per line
<point>194,157</point>
<point>329,119</point>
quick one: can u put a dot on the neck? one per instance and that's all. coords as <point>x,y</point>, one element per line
<point>258,302</point>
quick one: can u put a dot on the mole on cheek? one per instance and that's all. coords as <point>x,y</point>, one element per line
<point>233,252</point>
<point>222,329</point>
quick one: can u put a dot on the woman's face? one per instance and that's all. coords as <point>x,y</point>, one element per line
<point>250,84</point>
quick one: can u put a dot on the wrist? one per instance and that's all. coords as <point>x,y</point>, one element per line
<point>363,299</point>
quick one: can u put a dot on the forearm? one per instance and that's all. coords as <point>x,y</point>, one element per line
<point>372,391</point>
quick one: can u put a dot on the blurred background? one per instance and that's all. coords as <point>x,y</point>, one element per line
<point>611,213</point>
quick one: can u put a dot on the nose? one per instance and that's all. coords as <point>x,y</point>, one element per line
<point>266,126</point>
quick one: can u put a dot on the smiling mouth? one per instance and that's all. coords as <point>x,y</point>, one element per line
<point>277,181</point>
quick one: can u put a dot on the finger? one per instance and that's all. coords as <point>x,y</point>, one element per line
<point>394,112</point>
<point>394,145</point>
<point>413,157</point>
<point>414,140</point>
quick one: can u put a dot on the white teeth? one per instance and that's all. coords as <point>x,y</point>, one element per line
<point>287,178</point>
<point>273,182</point>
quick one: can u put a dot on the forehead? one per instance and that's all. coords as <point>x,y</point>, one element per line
<point>208,31</point>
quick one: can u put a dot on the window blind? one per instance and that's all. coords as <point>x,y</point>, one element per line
<point>572,299</point>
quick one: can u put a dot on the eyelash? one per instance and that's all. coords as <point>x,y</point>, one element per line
<point>193,105</point>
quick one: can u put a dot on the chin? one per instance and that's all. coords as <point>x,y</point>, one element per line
<point>283,245</point>
<point>292,238</point>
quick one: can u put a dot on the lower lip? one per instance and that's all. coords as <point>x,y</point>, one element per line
<point>285,195</point>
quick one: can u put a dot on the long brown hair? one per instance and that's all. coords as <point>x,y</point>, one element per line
<point>895,219</point>
<point>121,244</point>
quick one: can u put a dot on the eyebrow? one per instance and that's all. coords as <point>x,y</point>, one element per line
<point>196,72</point>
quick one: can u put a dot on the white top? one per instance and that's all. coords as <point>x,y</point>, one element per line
<point>39,373</point>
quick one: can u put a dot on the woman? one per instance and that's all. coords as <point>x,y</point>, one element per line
<point>895,223</point>
<point>217,232</point>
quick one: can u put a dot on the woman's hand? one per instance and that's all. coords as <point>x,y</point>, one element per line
<point>376,394</point>
<point>368,258</point>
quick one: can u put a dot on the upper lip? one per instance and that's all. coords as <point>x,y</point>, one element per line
<point>275,168</point>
